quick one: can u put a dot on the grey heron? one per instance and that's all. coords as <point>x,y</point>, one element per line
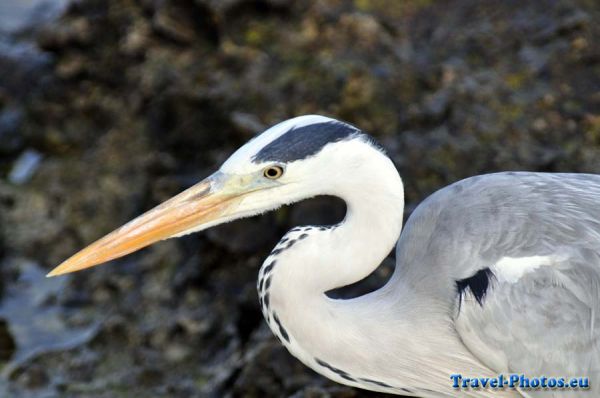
<point>495,273</point>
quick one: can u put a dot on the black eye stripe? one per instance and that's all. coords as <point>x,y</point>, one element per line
<point>302,142</point>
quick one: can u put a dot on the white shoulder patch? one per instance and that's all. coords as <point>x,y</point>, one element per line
<point>511,269</point>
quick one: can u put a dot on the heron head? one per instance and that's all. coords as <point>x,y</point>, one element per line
<point>296,159</point>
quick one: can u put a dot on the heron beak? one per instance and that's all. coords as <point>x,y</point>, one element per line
<point>196,208</point>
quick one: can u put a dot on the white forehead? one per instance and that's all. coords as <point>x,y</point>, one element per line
<point>240,161</point>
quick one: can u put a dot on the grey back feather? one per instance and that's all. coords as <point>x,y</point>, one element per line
<point>545,322</point>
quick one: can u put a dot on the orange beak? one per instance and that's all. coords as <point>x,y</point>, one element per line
<point>191,210</point>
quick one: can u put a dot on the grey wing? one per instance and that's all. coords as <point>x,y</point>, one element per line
<point>541,324</point>
<point>534,238</point>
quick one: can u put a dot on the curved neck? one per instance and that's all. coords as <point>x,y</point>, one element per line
<point>323,333</point>
<point>350,251</point>
<point>370,341</point>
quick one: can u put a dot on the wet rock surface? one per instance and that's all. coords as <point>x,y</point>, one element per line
<point>113,106</point>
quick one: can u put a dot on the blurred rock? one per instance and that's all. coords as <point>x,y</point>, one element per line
<point>174,22</point>
<point>128,103</point>
<point>326,210</point>
<point>39,328</point>
<point>77,32</point>
<point>7,342</point>
<point>326,392</point>
<point>247,123</point>
<point>244,236</point>
<point>35,378</point>
<point>23,68</point>
<point>11,140</point>
<point>24,167</point>
<point>22,15</point>
<point>436,105</point>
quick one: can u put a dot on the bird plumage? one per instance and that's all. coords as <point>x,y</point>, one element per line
<point>495,273</point>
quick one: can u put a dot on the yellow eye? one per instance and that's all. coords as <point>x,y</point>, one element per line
<point>273,172</point>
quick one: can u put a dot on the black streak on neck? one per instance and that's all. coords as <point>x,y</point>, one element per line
<point>282,330</point>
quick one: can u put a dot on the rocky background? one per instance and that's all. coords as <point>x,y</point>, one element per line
<point>109,107</point>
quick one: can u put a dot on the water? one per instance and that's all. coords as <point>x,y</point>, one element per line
<point>36,325</point>
<point>19,15</point>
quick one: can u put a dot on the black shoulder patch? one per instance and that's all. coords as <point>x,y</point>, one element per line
<point>302,142</point>
<point>478,284</point>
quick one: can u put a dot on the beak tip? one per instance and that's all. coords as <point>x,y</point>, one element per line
<point>195,206</point>
<point>65,267</point>
<point>55,272</point>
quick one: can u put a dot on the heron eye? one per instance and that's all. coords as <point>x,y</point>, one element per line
<point>273,172</point>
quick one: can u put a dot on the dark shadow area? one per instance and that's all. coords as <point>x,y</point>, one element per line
<point>7,343</point>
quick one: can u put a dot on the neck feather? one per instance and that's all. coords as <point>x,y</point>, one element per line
<point>350,251</point>
<point>358,342</point>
